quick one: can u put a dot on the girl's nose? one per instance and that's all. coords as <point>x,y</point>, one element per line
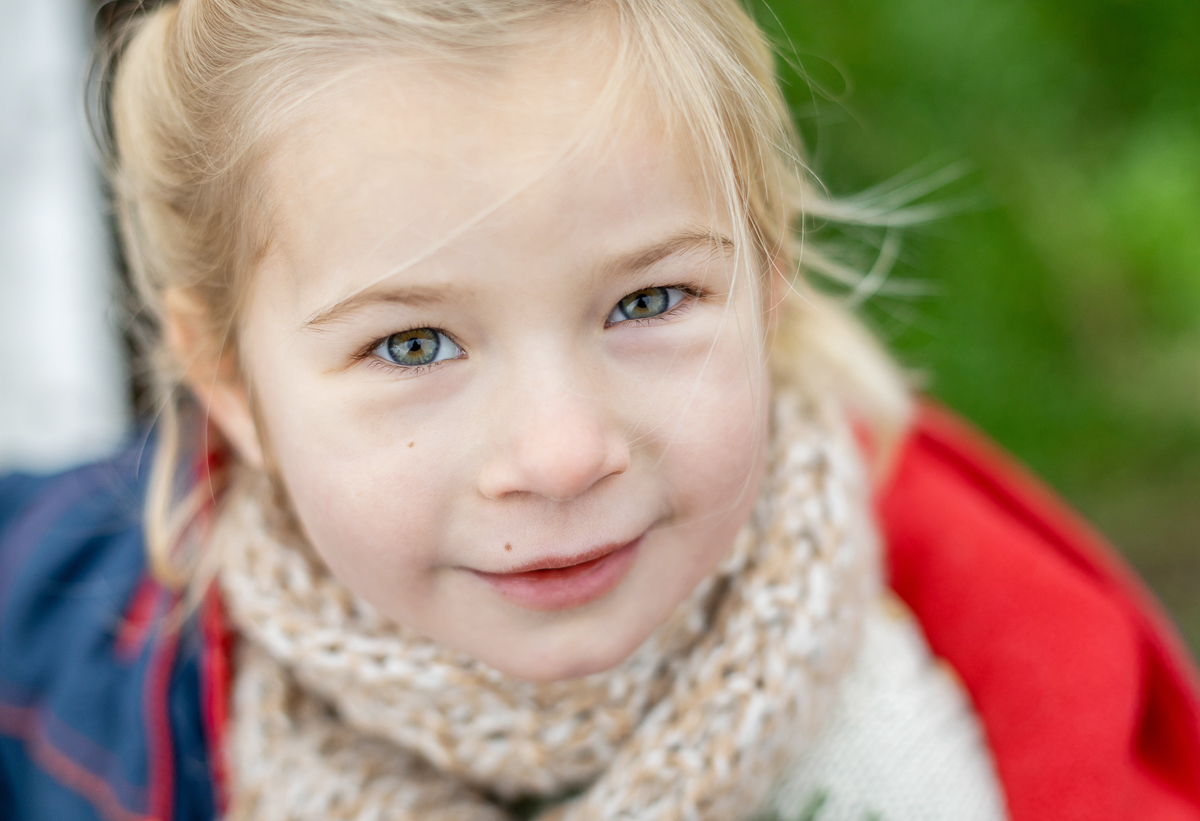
<point>555,446</point>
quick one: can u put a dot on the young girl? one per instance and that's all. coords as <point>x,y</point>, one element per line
<point>530,477</point>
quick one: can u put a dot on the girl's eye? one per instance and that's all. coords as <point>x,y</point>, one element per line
<point>420,346</point>
<point>645,304</point>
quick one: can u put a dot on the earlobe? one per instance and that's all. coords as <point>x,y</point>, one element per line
<point>211,373</point>
<point>229,409</point>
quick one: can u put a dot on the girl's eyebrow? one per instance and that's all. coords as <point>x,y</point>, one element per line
<point>412,295</point>
<point>631,263</point>
<point>419,296</point>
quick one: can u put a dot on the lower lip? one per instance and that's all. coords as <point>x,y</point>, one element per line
<point>565,587</point>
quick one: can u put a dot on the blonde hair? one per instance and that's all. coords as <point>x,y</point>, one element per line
<point>201,86</point>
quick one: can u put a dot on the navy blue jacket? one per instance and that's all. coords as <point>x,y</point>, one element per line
<point>101,708</point>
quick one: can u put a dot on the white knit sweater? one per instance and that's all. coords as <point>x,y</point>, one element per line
<point>903,744</point>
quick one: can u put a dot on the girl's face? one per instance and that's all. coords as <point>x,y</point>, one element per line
<point>516,395</point>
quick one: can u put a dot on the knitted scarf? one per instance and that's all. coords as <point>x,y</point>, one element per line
<point>340,713</point>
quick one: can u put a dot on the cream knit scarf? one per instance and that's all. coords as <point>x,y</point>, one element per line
<point>340,713</point>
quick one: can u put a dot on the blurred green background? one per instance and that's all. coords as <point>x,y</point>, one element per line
<point>1063,313</point>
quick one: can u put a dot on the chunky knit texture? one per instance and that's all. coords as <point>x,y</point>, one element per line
<point>342,714</point>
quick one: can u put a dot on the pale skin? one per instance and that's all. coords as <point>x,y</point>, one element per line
<point>547,423</point>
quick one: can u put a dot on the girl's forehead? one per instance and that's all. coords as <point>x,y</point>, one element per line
<point>396,168</point>
<point>518,101</point>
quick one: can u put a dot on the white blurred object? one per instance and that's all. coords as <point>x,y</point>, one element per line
<point>62,378</point>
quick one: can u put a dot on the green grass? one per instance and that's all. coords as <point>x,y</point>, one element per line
<point>1065,309</point>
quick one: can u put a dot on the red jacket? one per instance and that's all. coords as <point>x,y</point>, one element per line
<point>1089,700</point>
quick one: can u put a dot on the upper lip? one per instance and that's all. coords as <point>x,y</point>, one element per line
<point>558,562</point>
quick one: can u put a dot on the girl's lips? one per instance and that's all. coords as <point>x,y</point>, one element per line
<point>553,586</point>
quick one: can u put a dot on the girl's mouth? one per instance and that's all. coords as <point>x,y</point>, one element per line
<point>560,584</point>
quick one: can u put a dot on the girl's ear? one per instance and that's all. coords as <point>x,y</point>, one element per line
<point>210,371</point>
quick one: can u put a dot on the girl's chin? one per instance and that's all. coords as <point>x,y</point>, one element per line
<point>578,658</point>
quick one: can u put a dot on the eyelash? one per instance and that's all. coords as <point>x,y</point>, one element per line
<point>691,295</point>
<point>393,369</point>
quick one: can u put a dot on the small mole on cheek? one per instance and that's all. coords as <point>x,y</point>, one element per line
<point>507,546</point>
<point>410,444</point>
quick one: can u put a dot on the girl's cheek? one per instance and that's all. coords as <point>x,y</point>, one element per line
<point>721,429</point>
<point>376,522</point>
<point>364,415</point>
<point>720,444</point>
<point>710,372</point>
<point>359,461</point>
